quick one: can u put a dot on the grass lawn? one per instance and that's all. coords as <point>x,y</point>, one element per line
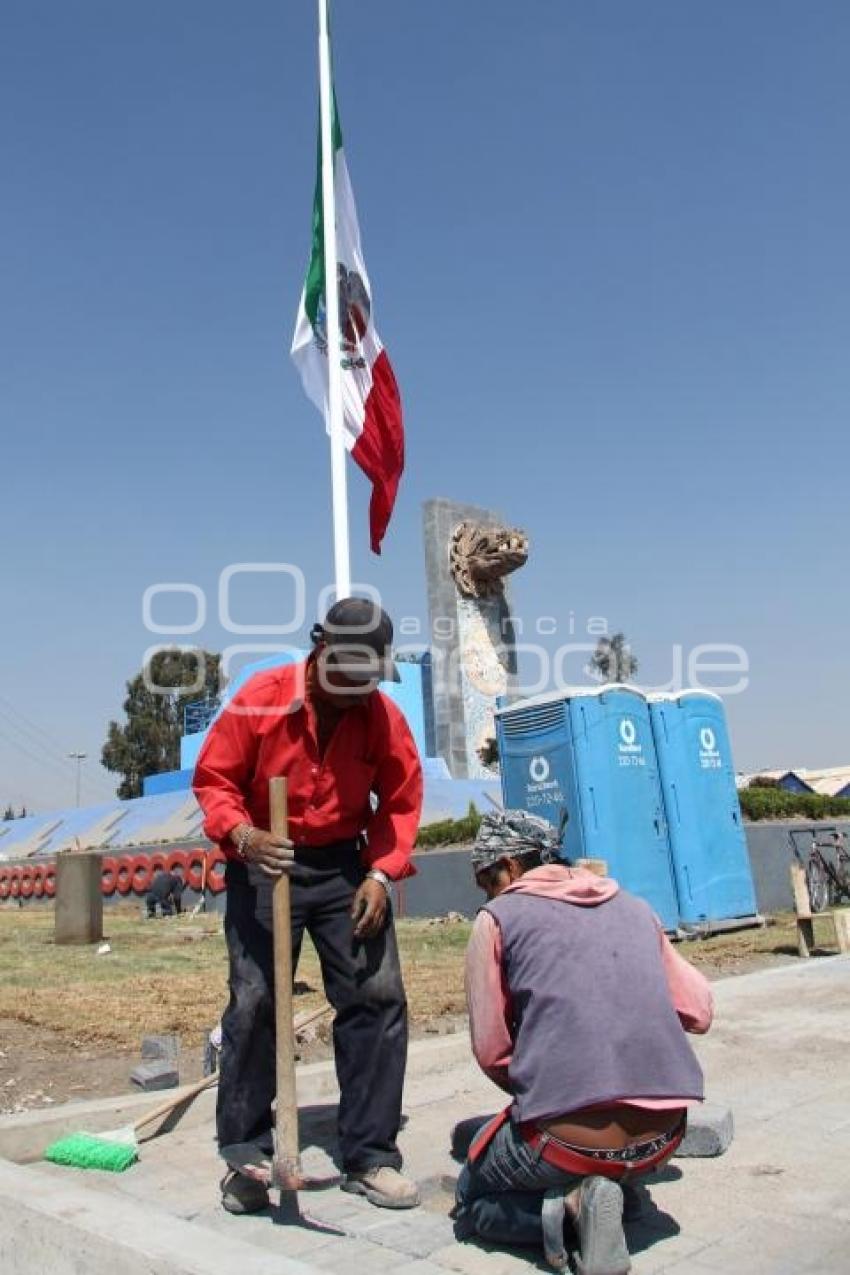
<point>171,975</point>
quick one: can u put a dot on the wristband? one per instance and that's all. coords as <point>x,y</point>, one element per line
<point>377,875</point>
<point>242,839</point>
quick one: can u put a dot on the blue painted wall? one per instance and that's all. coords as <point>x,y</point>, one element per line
<point>167,781</point>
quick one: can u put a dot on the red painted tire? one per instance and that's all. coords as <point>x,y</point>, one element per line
<point>108,875</point>
<point>38,880</point>
<point>50,880</point>
<point>158,860</point>
<point>215,871</point>
<point>5,882</point>
<point>141,873</point>
<point>194,874</point>
<point>26,882</point>
<point>177,859</point>
<point>124,874</point>
<point>15,883</point>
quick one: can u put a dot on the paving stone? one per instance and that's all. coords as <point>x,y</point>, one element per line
<point>421,1266</point>
<point>710,1132</point>
<point>357,1257</point>
<point>776,1246</point>
<point>155,1048</point>
<point>155,1075</point>
<point>475,1259</point>
<point>415,1233</point>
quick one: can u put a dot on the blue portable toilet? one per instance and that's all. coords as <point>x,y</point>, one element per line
<point>591,750</point>
<point>710,858</point>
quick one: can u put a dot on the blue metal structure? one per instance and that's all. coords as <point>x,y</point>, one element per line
<point>198,715</point>
<point>167,781</point>
<point>591,751</point>
<point>710,858</point>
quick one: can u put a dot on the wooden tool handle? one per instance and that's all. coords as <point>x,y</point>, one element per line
<point>286,1145</point>
<point>176,1099</point>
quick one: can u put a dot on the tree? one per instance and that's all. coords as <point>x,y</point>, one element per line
<point>612,661</point>
<point>8,813</point>
<point>149,741</point>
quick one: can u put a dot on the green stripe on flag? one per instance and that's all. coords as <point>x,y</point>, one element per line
<point>314,284</point>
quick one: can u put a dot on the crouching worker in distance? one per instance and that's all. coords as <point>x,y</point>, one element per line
<point>578,1008</point>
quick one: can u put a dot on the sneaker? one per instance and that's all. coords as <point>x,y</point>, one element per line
<point>241,1195</point>
<point>599,1224</point>
<point>383,1186</point>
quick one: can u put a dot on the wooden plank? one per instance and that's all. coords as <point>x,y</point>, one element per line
<point>841,921</point>
<point>802,903</point>
<point>597,866</point>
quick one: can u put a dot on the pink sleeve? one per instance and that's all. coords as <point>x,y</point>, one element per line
<point>488,1001</point>
<point>690,991</point>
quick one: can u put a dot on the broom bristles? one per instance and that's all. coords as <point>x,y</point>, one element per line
<point>86,1151</point>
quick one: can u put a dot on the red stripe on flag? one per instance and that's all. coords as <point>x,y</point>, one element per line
<point>379,451</point>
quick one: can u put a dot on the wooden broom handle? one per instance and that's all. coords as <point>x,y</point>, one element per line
<point>176,1099</point>
<point>286,1149</point>
<point>191,1091</point>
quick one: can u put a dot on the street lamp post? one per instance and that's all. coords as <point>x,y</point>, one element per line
<point>79,758</point>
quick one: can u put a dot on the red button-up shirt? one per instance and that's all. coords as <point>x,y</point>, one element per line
<point>269,729</point>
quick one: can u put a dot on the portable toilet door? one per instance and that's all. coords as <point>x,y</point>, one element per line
<point>620,798</point>
<point>591,751</point>
<point>710,857</point>
<point>537,765</point>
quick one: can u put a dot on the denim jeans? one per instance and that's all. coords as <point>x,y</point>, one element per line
<point>362,980</point>
<point>500,1195</point>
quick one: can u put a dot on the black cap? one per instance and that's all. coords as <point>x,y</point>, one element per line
<point>360,634</point>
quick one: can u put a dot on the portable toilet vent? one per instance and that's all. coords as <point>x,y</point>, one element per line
<point>710,859</point>
<point>591,751</point>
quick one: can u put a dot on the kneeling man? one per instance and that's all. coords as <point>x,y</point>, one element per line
<point>578,1008</point>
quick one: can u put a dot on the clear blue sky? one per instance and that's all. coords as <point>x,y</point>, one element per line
<point>609,250</point>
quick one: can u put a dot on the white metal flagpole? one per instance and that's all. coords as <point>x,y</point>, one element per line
<point>342,565</point>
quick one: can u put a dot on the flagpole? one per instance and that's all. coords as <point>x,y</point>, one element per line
<point>339,491</point>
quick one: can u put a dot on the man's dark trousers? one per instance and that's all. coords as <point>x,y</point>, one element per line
<point>362,981</point>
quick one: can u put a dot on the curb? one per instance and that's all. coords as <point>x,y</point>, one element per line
<point>24,1137</point>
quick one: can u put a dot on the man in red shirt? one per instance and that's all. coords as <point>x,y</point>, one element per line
<point>325,726</point>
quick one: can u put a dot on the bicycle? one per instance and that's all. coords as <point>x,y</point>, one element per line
<point>827,878</point>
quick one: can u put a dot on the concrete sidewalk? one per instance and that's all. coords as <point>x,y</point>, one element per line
<point>775,1203</point>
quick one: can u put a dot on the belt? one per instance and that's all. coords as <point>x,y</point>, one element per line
<point>617,1161</point>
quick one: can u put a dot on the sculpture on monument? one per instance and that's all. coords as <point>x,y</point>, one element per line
<point>469,554</point>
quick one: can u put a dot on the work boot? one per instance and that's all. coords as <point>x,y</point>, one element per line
<point>383,1186</point>
<point>598,1219</point>
<point>242,1195</point>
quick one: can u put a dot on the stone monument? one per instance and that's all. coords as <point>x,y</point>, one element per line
<point>78,916</point>
<point>468,553</point>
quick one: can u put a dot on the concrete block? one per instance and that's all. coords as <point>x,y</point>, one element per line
<point>155,1048</point>
<point>79,899</point>
<point>155,1075</point>
<point>710,1132</point>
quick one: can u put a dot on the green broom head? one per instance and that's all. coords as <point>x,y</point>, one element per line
<point>86,1151</point>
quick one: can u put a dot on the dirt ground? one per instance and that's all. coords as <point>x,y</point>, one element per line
<point>72,1019</point>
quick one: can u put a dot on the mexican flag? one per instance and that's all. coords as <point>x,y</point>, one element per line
<point>370,397</point>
